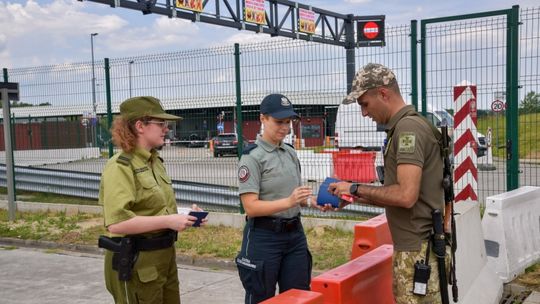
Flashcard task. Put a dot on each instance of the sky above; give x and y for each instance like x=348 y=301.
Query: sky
x=51 y=32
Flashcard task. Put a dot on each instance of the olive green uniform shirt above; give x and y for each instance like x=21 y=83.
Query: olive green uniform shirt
x=273 y=172
x=135 y=184
x=413 y=142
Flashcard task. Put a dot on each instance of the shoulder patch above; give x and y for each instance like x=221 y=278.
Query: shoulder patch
x=407 y=142
x=243 y=173
x=124 y=159
x=249 y=148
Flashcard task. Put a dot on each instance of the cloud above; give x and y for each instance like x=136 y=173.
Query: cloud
x=247 y=37
x=164 y=34
x=61 y=29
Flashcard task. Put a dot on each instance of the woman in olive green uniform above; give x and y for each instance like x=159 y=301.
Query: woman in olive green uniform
x=139 y=202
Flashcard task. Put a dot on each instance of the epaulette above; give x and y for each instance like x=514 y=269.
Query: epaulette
x=124 y=159
x=288 y=144
x=248 y=148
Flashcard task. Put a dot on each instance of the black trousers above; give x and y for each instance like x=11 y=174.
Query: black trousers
x=268 y=258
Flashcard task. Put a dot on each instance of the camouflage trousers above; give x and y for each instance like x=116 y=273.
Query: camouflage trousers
x=403 y=273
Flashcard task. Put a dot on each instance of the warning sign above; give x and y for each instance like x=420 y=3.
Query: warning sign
x=370 y=33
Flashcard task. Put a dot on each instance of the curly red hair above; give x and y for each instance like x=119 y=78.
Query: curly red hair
x=124 y=134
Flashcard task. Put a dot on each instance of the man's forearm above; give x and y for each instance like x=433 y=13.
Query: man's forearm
x=382 y=195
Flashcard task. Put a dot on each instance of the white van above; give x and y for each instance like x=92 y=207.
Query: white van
x=354 y=131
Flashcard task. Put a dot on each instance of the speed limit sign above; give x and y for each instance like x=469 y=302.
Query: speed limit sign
x=497 y=106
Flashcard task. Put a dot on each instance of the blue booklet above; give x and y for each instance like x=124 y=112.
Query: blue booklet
x=324 y=197
x=200 y=215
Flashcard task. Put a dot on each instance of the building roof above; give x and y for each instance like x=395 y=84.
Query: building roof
x=221 y=101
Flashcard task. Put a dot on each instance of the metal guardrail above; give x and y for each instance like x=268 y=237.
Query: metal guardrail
x=86 y=184
x=83 y=184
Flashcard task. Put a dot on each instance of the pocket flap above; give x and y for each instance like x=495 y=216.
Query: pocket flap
x=165 y=178
x=147 y=274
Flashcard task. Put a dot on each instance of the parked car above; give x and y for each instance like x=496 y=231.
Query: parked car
x=195 y=141
x=227 y=143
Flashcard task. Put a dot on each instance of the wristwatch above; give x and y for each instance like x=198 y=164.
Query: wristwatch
x=353 y=189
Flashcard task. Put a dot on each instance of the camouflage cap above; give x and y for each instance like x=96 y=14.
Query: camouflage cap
x=372 y=75
x=144 y=106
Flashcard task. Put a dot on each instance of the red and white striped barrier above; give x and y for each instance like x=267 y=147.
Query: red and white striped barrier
x=465 y=147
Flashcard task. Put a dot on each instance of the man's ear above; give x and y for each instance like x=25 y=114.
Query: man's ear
x=383 y=93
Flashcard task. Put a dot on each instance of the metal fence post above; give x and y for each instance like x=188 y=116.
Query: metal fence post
x=109 y=103
x=423 y=67
x=512 y=84
x=414 y=64
x=10 y=176
x=6 y=79
x=238 y=106
x=350 y=52
x=238 y=99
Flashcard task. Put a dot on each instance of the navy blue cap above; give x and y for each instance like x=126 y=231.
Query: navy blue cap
x=278 y=106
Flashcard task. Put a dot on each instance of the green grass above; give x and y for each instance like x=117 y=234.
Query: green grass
x=529 y=134
x=330 y=247
x=44 y=197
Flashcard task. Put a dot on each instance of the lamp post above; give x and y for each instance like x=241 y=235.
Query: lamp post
x=130 y=63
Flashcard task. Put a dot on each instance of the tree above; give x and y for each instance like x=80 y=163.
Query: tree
x=531 y=103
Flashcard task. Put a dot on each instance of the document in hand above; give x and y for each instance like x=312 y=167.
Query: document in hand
x=324 y=197
x=200 y=215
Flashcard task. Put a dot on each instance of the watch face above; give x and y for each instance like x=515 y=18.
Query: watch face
x=353 y=188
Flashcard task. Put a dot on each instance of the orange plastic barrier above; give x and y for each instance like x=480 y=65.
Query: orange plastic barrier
x=370 y=235
x=296 y=296
x=364 y=280
x=356 y=166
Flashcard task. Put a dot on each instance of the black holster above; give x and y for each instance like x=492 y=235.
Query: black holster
x=126 y=249
x=124 y=254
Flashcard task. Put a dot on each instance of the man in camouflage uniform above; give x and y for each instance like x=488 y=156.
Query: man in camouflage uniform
x=413 y=178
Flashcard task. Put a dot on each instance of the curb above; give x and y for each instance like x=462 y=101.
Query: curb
x=181 y=259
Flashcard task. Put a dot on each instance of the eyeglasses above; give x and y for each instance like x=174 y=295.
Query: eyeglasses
x=162 y=124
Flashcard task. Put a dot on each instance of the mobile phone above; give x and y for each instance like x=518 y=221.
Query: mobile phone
x=200 y=215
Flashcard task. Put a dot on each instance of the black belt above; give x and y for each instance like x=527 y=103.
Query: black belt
x=277 y=224
x=152 y=243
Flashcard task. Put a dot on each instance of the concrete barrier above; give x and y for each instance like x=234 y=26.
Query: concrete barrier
x=315 y=166
x=477 y=282
x=512 y=231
